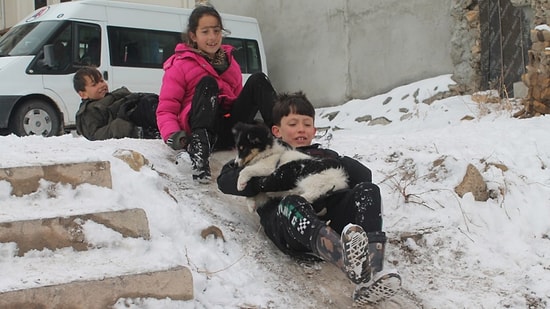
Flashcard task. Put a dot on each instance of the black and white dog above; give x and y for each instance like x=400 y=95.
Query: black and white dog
x=262 y=154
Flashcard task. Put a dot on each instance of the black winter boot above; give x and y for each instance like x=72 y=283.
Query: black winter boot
x=203 y=116
x=377 y=244
x=199 y=149
x=326 y=244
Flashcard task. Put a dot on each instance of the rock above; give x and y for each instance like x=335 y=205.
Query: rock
x=473 y=182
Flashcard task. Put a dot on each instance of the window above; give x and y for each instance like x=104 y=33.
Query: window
x=67 y=46
x=27 y=39
x=247 y=54
x=141 y=48
x=88 y=47
x=55 y=56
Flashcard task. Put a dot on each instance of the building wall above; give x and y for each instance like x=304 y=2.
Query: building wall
x=12 y=11
x=336 y=50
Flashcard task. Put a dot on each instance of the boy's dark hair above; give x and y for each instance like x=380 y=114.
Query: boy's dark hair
x=292 y=103
x=79 y=82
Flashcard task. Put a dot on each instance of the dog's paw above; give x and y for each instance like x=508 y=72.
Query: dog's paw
x=241 y=186
x=242 y=181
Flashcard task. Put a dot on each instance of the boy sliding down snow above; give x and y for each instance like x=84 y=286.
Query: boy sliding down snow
x=348 y=234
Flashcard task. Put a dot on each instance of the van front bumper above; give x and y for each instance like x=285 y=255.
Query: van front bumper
x=7 y=102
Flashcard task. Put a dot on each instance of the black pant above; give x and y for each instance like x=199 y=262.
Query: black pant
x=257 y=95
x=284 y=224
x=361 y=205
x=144 y=114
x=204 y=106
x=290 y=223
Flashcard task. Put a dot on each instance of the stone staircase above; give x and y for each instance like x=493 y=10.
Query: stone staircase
x=54 y=233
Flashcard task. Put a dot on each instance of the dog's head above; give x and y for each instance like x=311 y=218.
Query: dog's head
x=250 y=140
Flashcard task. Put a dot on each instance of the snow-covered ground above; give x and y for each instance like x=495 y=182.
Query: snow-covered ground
x=452 y=252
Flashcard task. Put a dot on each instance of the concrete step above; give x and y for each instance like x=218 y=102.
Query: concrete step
x=60 y=232
x=175 y=283
x=25 y=179
x=53 y=233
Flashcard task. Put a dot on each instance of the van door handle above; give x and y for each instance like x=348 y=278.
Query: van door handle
x=105 y=75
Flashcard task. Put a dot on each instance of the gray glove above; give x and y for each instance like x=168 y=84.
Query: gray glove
x=178 y=140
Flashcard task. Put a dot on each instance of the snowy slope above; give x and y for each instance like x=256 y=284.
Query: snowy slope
x=452 y=252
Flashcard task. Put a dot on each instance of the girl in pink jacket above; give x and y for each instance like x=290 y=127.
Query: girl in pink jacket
x=202 y=95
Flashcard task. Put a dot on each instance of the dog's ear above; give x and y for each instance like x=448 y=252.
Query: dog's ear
x=259 y=134
x=254 y=135
x=238 y=130
x=267 y=132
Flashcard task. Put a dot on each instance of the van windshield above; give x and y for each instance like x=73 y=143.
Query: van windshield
x=26 y=39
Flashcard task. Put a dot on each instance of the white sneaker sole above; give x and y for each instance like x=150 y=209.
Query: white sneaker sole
x=381 y=289
x=356 y=257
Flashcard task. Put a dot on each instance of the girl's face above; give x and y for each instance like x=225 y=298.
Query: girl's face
x=208 y=35
x=296 y=130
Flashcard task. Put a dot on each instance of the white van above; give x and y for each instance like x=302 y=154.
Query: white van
x=128 y=42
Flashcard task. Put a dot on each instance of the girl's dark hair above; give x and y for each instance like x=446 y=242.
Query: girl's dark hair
x=292 y=103
x=194 y=18
x=79 y=82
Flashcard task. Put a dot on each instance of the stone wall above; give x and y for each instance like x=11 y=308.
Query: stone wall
x=542 y=11
x=537 y=77
x=466 y=46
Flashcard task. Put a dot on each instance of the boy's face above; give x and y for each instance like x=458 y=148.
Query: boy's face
x=94 y=90
x=296 y=130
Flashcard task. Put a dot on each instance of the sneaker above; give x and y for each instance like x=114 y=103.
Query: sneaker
x=356 y=255
x=383 y=286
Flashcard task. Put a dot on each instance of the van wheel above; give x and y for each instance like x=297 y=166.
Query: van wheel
x=35 y=117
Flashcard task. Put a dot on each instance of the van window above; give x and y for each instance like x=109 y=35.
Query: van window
x=88 y=47
x=140 y=48
x=131 y=47
x=27 y=39
x=55 y=56
x=73 y=45
x=247 y=54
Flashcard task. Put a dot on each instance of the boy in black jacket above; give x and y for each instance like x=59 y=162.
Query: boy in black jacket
x=344 y=228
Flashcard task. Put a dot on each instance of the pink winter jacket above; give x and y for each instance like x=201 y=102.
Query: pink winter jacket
x=182 y=73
